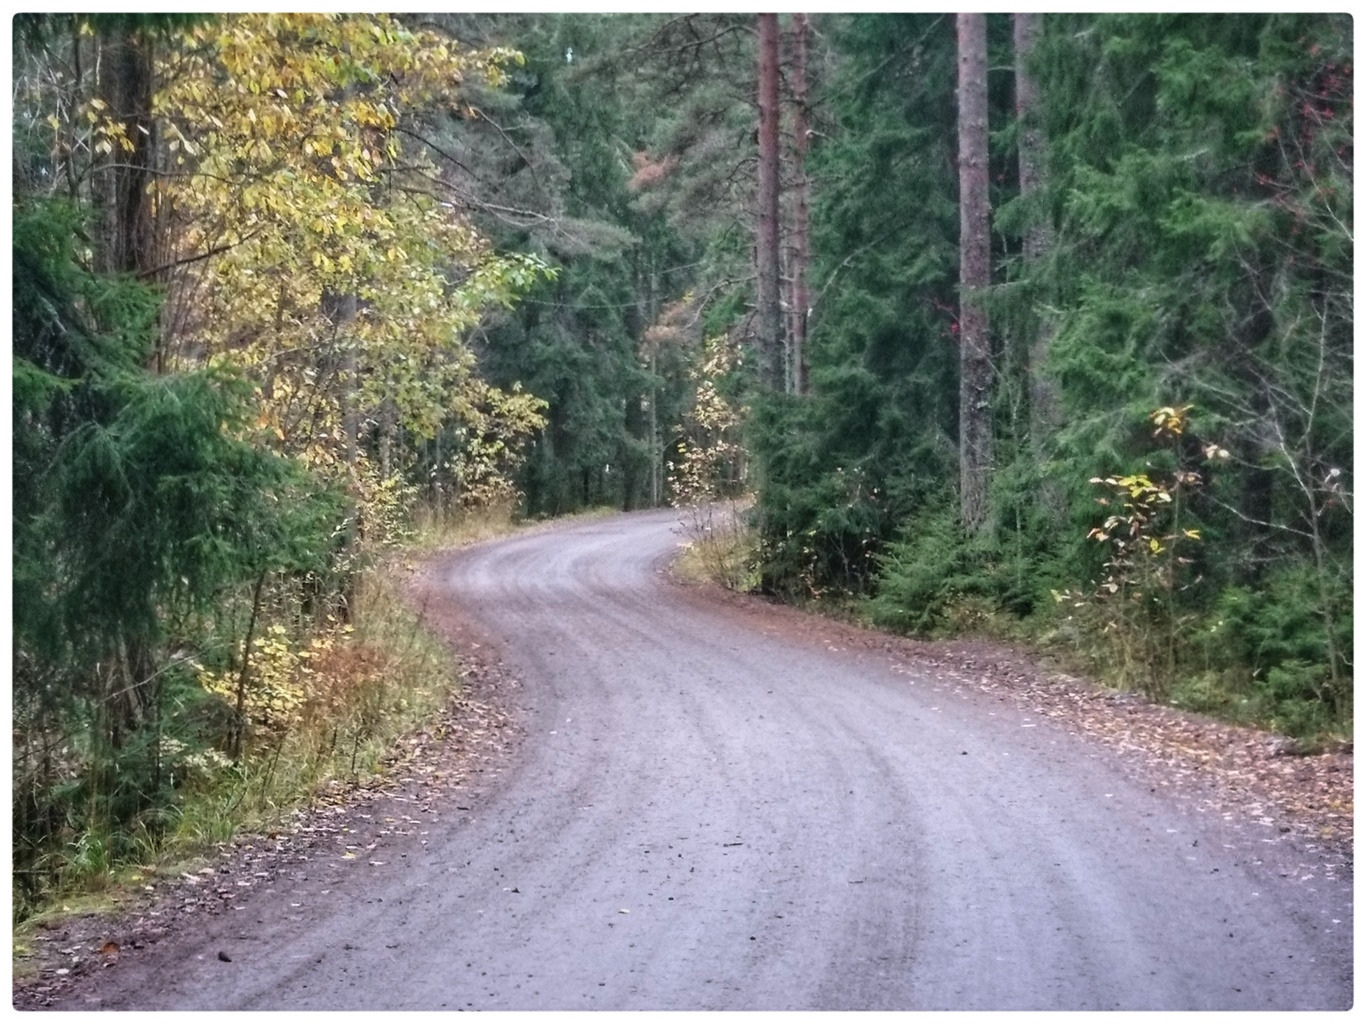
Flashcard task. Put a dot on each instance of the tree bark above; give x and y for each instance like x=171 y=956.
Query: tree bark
x=124 y=83
x=766 y=248
x=1044 y=408
x=976 y=371
x=801 y=227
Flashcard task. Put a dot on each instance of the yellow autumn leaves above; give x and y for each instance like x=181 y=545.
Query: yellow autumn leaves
x=293 y=187
x=291 y=679
x=708 y=460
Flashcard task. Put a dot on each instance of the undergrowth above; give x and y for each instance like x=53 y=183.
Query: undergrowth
x=721 y=546
x=1255 y=658
x=355 y=690
x=434 y=530
x=1261 y=657
x=324 y=699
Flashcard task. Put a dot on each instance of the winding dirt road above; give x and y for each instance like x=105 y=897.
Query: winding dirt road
x=711 y=813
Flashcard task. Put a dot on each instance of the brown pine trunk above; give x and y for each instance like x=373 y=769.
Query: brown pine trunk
x=767 y=253
x=124 y=82
x=1044 y=410
x=801 y=227
x=975 y=381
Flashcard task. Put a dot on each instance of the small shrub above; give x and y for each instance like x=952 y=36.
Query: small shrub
x=923 y=576
x=1283 y=639
x=722 y=546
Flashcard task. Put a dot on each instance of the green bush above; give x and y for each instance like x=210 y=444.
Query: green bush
x=1292 y=637
x=921 y=576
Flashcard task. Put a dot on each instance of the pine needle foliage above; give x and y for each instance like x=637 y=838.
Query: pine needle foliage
x=140 y=502
x=1196 y=188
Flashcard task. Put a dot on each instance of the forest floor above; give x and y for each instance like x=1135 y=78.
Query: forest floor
x=1237 y=773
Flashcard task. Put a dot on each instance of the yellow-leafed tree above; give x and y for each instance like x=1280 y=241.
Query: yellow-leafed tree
x=310 y=246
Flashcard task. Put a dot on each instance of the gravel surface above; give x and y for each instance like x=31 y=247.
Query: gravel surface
x=657 y=797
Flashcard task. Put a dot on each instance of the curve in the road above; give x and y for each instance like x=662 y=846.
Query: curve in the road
x=712 y=813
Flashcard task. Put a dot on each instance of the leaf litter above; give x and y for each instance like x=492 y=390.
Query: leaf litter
x=466 y=745
x=1240 y=774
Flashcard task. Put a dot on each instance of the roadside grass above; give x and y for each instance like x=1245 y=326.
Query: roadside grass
x=349 y=695
x=437 y=530
x=434 y=531
x=721 y=547
x=378 y=681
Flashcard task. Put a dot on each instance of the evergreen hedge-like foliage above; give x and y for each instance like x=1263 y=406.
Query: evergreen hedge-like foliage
x=1197 y=187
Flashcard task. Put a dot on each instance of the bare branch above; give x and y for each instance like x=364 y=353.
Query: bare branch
x=187 y=260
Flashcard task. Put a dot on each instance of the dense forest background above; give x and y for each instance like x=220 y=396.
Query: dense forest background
x=1032 y=326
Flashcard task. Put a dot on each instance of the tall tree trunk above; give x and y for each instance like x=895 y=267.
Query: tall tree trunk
x=1044 y=410
x=767 y=253
x=801 y=227
x=975 y=382
x=124 y=82
x=656 y=446
x=340 y=310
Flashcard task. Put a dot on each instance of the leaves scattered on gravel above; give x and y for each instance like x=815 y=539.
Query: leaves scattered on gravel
x=347 y=827
x=1237 y=773
x=1247 y=776
x=1233 y=769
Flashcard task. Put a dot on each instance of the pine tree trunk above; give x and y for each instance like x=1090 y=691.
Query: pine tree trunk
x=1044 y=410
x=124 y=82
x=975 y=382
x=767 y=253
x=801 y=227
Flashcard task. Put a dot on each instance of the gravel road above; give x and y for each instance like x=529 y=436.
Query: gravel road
x=711 y=810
